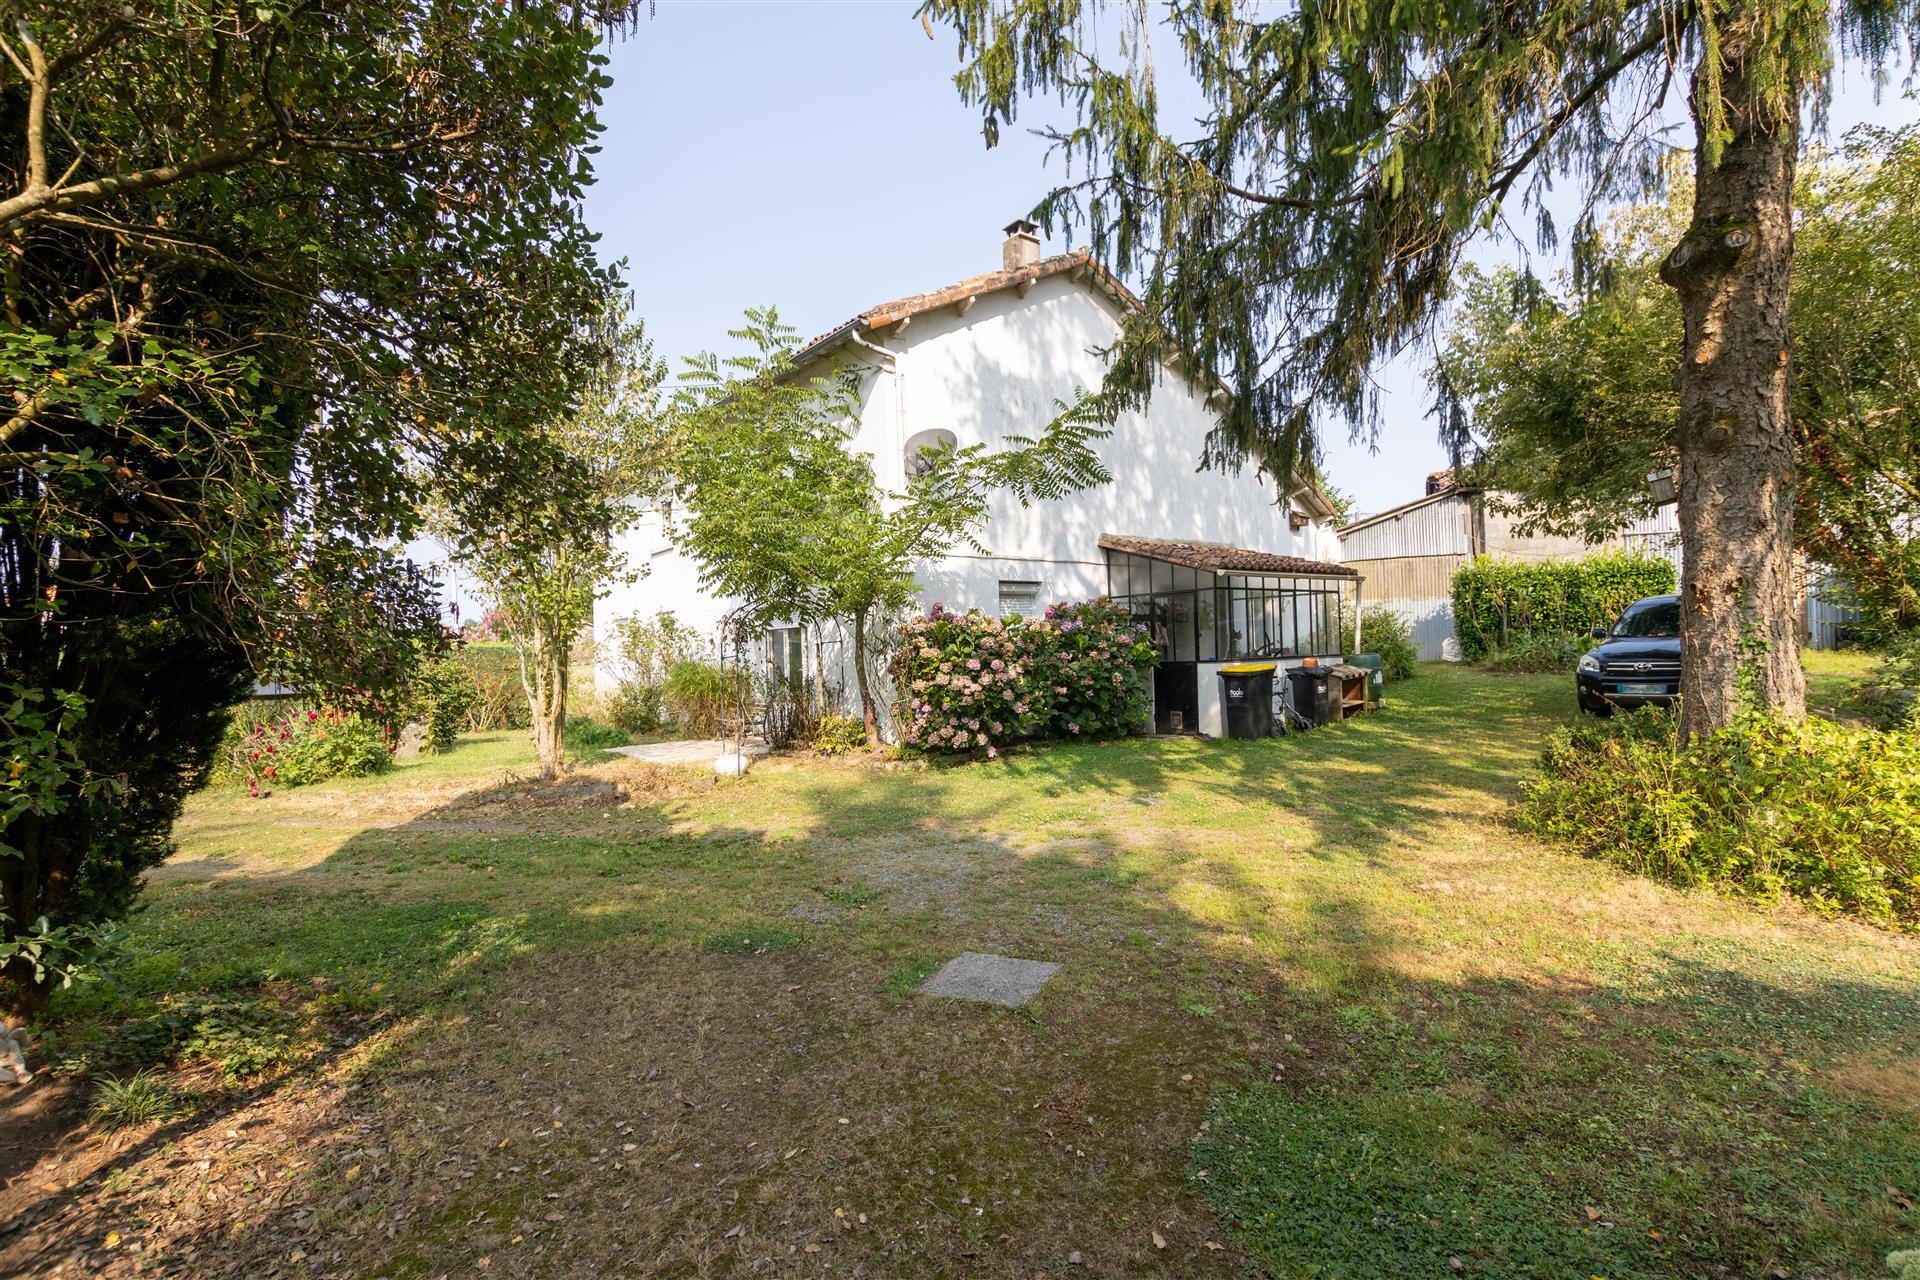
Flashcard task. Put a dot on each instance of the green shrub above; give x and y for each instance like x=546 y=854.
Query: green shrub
x=633 y=707
x=584 y=736
x=1496 y=602
x=140 y=1099
x=1385 y=632
x=836 y=734
x=1772 y=806
x=443 y=697
x=1536 y=653
x=235 y=758
x=643 y=651
x=696 y=694
x=1891 y=697
x=1092 y=669
x=314 y=745
x=502 y=702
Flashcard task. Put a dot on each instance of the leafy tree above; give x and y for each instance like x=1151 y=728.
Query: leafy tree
x=1571 y=399
x=1310 y=226
x=265 y=269
x=783 y=515
x=543 y=551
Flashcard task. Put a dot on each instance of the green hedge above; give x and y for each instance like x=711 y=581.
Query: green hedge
x=1497 y=601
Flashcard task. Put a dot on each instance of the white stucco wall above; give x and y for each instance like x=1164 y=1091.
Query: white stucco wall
x=998 y=372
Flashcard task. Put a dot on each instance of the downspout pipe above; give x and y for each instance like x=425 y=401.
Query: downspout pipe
x=899 y=389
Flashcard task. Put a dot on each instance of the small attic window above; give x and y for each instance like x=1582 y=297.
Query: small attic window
x=922 y=444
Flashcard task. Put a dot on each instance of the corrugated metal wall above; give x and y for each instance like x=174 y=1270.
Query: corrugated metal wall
x=1831 y=619
x=1435 y=528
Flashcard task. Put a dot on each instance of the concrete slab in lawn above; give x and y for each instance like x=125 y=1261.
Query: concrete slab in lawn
x=687 y=751
x=1001 y=980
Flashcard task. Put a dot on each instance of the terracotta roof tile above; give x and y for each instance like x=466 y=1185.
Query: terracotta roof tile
x=891 y=313
x=1218 y=558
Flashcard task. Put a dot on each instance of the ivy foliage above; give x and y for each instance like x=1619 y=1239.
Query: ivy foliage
x=1497 y=603
x=1810 y=809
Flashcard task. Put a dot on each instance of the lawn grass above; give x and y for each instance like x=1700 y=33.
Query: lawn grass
x=1322 y=1012
x=1833 y=676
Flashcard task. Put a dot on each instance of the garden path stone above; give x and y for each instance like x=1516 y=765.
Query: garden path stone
x=989 y=979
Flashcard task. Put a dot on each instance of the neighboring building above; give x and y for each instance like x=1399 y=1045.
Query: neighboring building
x=1220 y=564
x=1409 y=554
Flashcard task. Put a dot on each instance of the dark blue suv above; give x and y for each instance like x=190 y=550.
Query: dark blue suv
x=1637 y=663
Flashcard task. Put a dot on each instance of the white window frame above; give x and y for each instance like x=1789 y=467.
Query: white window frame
x=1027 y=589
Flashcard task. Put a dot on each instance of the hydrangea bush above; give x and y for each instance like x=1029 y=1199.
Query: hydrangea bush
x=970 y=682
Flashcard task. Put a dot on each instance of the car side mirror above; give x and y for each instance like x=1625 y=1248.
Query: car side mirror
x=1599 y=633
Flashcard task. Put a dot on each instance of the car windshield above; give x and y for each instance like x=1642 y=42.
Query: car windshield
x=1657 y=618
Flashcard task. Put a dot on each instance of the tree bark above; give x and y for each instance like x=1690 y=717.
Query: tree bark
x=1735 y=473
x=867 y=714
x=543 y=672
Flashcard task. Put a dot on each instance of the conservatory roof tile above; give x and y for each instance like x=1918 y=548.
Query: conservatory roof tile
x=1218 y=558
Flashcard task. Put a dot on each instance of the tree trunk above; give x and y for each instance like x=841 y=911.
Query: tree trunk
x=1735 y=474
x=27 y=883
x=867 y=714
x=543 y=672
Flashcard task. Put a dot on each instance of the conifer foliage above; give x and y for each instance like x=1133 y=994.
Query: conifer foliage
x=1309 y=227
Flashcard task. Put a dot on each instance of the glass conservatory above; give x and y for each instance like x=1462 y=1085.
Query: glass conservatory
x=1206 y=604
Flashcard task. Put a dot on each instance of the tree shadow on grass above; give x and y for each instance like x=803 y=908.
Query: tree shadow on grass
x=672 y=1041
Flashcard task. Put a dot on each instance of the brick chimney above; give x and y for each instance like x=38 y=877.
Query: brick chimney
x=1022 y=247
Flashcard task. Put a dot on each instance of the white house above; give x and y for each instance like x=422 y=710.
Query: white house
x=1221 y=564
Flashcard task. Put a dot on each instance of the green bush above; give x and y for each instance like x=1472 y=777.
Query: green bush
x=1385 y=632
x=1496 y=602
x=1891 y=697
x=496 y=674
x=837 y=734
x=314 y=745
x=1825 y=812
x=234 y=761
x=634 y=707
x=695 y=695
x=584 y=736
x=443 y=696
x=645 y=650
x=1535 y=653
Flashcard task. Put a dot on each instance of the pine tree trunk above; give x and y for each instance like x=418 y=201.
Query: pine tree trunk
x=1735 y=475
x=867 y=714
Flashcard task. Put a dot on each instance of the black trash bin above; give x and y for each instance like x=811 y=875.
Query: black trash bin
x=1311 y=691
x=1246 y=692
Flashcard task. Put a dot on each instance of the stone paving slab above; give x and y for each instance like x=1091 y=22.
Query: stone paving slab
x=989 y=979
